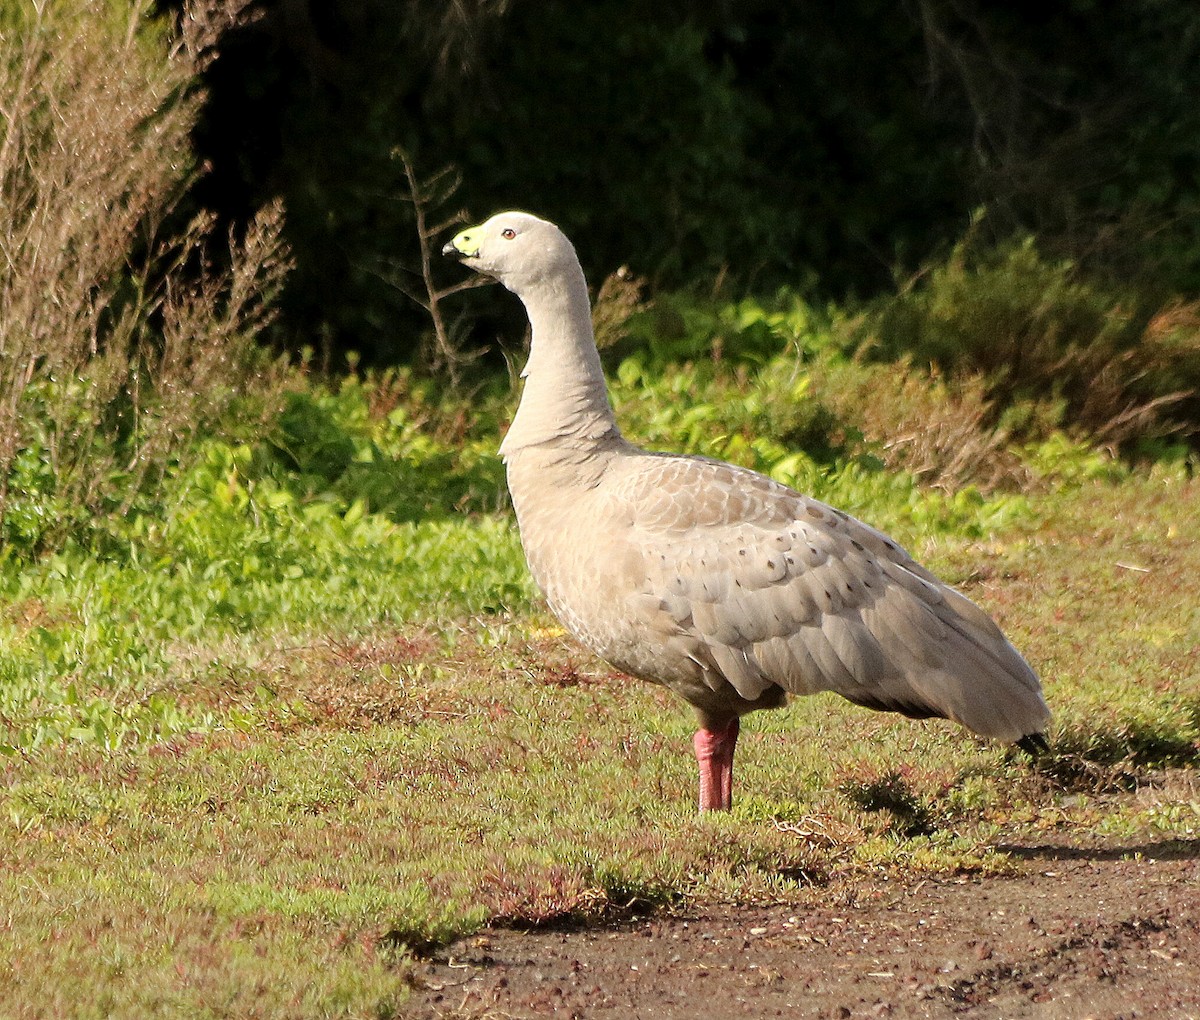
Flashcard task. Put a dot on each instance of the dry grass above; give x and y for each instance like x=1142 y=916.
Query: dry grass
x=941 y=431
x=620 y=298
x=1115 y=370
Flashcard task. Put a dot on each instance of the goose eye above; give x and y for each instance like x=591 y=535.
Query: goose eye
x=508 y=233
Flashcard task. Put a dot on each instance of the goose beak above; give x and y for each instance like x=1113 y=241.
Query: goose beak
x=465 y=245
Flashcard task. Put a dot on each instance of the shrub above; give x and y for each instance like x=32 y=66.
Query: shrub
x=120 y=335
x=679 y=327
x=944 y=432
x=1037 y=331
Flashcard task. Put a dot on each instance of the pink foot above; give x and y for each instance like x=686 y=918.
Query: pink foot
x=714 y=755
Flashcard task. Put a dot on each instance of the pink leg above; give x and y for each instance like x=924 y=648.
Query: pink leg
x=714 y=755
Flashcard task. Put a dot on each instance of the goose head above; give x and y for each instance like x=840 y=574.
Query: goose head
x=517 y=249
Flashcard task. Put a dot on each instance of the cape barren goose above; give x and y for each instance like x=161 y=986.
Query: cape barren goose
x=727 y=587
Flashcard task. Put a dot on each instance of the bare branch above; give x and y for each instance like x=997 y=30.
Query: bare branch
x=435 y=190
x=468 y=284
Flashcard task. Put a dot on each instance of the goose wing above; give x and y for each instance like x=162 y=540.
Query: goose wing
x=767 y=587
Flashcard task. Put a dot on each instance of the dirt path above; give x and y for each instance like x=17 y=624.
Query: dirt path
x=1102 y=933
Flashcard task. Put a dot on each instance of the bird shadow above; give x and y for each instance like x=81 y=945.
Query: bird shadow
x=1160 y=850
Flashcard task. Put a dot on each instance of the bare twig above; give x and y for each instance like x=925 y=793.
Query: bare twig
x=425 y=195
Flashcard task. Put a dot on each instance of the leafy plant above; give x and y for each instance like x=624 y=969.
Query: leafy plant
x=381 y=441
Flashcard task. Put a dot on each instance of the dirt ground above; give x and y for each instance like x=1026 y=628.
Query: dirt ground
x=1079 y=933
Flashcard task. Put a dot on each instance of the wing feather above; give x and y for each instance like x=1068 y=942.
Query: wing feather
x=782 y=591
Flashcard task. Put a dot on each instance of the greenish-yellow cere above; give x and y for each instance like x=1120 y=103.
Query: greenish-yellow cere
x=468 y=241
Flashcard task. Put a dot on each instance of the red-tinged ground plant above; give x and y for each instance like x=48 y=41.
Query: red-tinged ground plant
x=124 y=328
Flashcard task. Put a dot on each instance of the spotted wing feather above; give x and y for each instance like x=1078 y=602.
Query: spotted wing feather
x=768 y=588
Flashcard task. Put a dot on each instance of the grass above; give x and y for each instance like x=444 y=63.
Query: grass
x=300 y=715
x=427 y=753
x=280 y=710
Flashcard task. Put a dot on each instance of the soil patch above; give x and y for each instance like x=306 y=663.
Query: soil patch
x=1078 y=933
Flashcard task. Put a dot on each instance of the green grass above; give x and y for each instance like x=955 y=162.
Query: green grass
x=106 y=647
x=289 y=783
x=302 y=714
x=280 y=707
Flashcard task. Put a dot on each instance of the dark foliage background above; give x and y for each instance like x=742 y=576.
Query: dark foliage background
x=826 y=147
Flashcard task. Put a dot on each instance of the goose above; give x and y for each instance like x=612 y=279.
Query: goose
x=718 y=582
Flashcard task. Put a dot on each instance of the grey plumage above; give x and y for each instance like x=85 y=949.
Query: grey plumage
x=727 y=587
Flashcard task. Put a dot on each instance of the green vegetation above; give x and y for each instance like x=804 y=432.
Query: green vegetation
x=304 y=715
x=279 y=704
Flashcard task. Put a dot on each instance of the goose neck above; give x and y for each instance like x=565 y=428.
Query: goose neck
x=565 y=399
